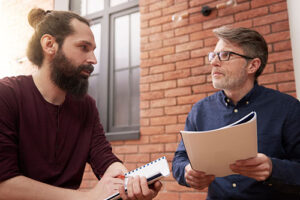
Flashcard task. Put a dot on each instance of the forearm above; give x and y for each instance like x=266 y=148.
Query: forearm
x=21 y=187
x=116 y=166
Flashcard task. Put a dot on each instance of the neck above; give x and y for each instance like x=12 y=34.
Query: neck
x=236 y=94
x=46 y=87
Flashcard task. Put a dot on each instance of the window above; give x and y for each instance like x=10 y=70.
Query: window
x=114 y=83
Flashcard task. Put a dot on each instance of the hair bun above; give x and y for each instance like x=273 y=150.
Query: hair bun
x=35 y=16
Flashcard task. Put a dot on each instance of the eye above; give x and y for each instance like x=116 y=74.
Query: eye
x=84 y=47
x=224 y=55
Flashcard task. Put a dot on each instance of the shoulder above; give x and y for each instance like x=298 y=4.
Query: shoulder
x=278 y=96
x=208 y=101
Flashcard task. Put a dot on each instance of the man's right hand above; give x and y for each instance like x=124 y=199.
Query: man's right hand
x=197 y=179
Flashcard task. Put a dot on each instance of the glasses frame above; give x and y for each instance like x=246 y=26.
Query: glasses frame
x=229 y=54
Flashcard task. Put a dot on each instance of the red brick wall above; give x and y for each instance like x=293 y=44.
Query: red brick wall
x=175 y=73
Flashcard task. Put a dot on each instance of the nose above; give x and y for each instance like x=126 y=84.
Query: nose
x=215 y=61
x=92 y=58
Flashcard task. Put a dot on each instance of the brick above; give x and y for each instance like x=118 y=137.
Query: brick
x=234 y=9
x=125 y=149
x=201 y=52
x=161 y=36
x=271 y=18
x=201 y=35
x=142 y=140
x=190 y=99
x=287 y=87
x=151 y=30
x=246 y=24
x=163 y=139
x=189 y=63
x=151 y=15
x=269 y=68
x=160 y=20
x=203 y=88
x=151 y=46
x=153 y=112
x=144 y=104
x=151 y=78
x=182 y=118
x=169 y=157
x=163 y=85
x=151 y=148
x=171 y=147
x=137 y=157
x=176 y=57
x=180 y=109
x=263 y=30
x=280 y=26
x=152 y=130
x=260 y=3
x=284 y=66
x=194 y=3
x=197 y=17
x=275 y=37
x=152 y=95
x=162 y=52
x=193 y=80
x=174 y=186
x=280 y=56
x=162 y=68
x=188 y=29
x=144 y=122
x=144 y=9
x=160 y=4
x=218 y=22
x=164 y=120
x=175 y=24
x=147 y=2
x=189 y=46
x=276 y=78
x=251 y=13
x=210 y=42
x=176 y=40
x=278 y=7
x=163 y=102
x=177 y=74
x=284 y=45
x=178 y=92
x=174 y=128
x=144 y=87
x=144 y=39
x=150 y=62
x=193 y=195
x=144 y=24
x=144 y=55
x=177 y=7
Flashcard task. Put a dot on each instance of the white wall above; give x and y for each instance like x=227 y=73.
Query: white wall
x=294 y=15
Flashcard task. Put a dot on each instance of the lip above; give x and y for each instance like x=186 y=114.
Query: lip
x=85 y=73
x=217 y=74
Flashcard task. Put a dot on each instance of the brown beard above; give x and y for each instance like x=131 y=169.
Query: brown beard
x=67 y=76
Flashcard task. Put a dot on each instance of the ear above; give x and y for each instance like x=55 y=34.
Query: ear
x=254 y=65
x=49 y=45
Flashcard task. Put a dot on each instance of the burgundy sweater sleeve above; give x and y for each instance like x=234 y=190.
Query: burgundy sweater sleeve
x=8 y=133
x=101 y=156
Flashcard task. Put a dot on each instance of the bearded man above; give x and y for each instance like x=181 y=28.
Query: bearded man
x=50 y=127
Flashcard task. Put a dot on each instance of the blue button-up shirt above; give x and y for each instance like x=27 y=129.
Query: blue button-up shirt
x=278 y=135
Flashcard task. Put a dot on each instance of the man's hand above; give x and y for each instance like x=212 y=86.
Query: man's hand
x=258 y=168
x=108 y=185
x=138 y=189
x=197 y=179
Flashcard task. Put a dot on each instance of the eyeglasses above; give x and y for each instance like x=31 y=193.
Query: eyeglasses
x=224 y=55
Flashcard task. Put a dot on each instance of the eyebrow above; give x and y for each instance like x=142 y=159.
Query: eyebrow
x=87 y=43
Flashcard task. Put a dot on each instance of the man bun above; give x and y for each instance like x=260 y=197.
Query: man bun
x=35 y=16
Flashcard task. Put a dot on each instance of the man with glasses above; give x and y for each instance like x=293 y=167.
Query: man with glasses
x=238 y=59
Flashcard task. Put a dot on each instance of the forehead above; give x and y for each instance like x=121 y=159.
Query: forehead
x=82 y=33
x=224 y=45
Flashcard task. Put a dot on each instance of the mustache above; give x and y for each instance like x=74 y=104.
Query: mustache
x=89 y=68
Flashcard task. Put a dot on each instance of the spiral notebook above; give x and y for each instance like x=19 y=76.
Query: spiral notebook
x=153 y=171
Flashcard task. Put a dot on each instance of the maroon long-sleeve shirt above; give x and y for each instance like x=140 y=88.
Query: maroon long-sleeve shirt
x=46 y=142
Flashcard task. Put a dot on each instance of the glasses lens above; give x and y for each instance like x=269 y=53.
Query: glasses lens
x=211 y=56
x=224 y=55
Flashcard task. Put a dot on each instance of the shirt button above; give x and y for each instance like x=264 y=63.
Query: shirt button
x=233 y=185
x=247 y=102
x=228 y=100
x=226 y=104
x=235 y=110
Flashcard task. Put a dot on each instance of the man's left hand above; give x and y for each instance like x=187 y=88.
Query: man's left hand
x=258 y=168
